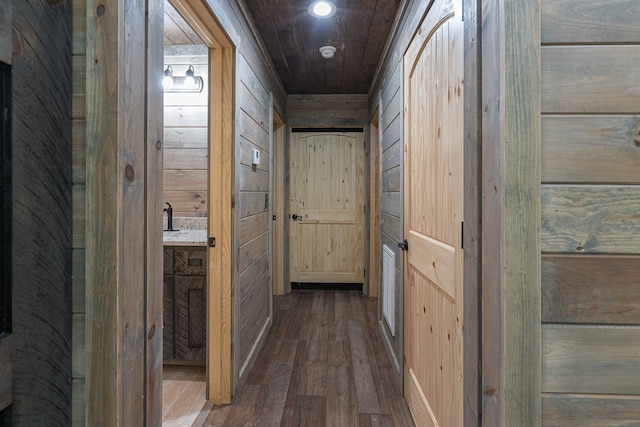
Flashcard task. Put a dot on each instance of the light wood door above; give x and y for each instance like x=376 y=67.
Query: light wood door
x=433 y=208
x=326 y=207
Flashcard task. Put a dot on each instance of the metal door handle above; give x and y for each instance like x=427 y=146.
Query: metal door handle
x=404 y=245
x=296 y=216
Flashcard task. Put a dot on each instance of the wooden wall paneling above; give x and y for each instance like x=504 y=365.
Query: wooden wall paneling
x=327 y=110
x=391 y=203
x=117 y=245
x=566 y=410
x=253 y=108
x=186 y=159
x=6 y=32
x=392 y=227
x=78 y=151
x=250 y=180
x=252 y=251
x=590 y=79
x=251 y=203
x=579 y=22
x=278 y=157
x=254 y=326
x=471 y=236
x=41 y=229
x=571 y=354
x=189 y=116
x=6 y=371
x=246 y=156
x=253 y=131
x=392 y=157
x=251 y=275
x=78 y=359
x=79 y=87
x=590 y=219
x=187 y=202
x=595 y=289
x=249 y=304
x=185 y=137
x=608 y=144
x=253 y=226
x=79 y=180
x=373 y=169
x=510 y=212
x=79 y=28
x=185 y=180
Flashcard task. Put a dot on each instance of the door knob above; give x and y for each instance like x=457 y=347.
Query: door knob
x=296 y=216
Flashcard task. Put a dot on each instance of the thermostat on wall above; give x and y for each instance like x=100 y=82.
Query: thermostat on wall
x=255 y=156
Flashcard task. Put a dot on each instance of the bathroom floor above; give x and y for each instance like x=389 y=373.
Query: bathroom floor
x=183 y=395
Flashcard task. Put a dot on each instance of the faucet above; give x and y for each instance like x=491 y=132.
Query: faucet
x=169 y=211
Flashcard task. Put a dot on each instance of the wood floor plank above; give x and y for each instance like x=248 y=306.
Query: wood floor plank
x=323 y=364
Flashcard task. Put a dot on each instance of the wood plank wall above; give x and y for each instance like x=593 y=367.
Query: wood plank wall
x=590 y=204
x=79 y=192
x=253 y=303
x=185 y=136
x=258 y=91
x=41 y=228
x=327 y=110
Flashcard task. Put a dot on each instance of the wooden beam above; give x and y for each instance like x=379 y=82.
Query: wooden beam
x=511 y=212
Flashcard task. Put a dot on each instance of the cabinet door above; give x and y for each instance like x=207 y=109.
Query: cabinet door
x=192 y=262
x=190 y=318
x=167 y=313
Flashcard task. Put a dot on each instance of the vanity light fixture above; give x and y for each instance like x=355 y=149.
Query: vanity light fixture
x=322 y=9
x=189 y=83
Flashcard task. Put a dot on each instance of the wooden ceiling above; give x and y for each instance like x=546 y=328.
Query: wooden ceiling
x=358 y=31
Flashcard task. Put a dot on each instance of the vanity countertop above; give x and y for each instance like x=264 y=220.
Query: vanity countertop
x=185 y=238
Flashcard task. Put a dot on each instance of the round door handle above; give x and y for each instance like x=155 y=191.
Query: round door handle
x=296 y=216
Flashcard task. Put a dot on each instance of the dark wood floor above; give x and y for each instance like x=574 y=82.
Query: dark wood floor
x=323 y=364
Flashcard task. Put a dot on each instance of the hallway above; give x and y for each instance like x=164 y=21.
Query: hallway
x=324 y=363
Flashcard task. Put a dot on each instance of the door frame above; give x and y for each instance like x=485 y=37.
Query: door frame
x=220 y=190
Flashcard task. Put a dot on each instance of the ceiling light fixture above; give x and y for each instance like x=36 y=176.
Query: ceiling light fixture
x=322 y=9
x=187 y=83
x=327 y=51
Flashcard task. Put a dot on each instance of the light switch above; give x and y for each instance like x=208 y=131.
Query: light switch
x=255 y=156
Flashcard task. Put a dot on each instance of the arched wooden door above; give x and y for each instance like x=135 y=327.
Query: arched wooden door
x=433 y=209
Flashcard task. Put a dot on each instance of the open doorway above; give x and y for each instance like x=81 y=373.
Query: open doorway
x=197 y=221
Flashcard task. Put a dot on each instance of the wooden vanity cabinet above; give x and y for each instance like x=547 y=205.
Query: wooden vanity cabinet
x=184 y=300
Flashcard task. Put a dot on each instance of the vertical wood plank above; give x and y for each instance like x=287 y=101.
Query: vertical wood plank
x=472 y=214
x=154 y=261
x=510 y=188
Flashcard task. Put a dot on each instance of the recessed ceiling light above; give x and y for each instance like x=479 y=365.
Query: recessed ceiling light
x=322 y=9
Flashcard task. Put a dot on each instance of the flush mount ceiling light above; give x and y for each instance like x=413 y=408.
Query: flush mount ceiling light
x=327 y=51
x=322 y=9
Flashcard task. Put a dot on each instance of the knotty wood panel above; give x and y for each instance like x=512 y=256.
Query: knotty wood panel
x=186 y=159
x=590 y=359
x=562 y=410
x=602 y=149
x=580 y=22
x=182 y=116
x=590 y=79
x=590 y=219
x=185 y=137
x=591 y=289
x=42 y=209
x=185 y=180
x=187 y=203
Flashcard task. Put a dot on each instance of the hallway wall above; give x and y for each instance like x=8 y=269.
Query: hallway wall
x=590 y=201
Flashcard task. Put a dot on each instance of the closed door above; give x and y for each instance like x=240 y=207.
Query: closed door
x=327 y=207
x=433 y=209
